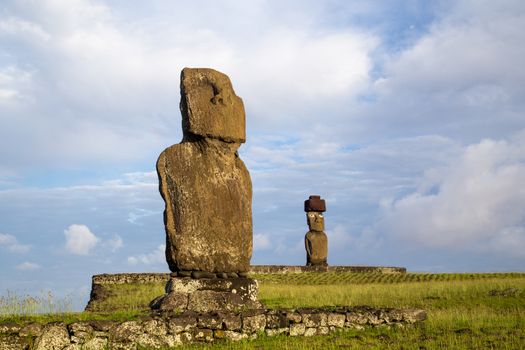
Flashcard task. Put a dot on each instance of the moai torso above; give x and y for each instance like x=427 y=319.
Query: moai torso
x=315 y=240
x=204 y=183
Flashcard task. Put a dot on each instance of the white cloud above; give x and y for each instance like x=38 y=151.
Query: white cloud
x=463 y=78
x=153 y=258
x=477 y=202
x=14 y=84
x=261 y=241
x=28 y=266
x=6 y=239
x=136 y=109
x=114 y=243
x=12 y=244
x=79 y=239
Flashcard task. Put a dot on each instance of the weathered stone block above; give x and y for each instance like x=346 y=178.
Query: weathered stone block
x=80 y=332
x=323 y=330
x=356 y=318
x=232 y=322
x=155 y=327
x=182 y=323
x=294 y=317
x=173 y=301
x=211 y=321
x=31 y=330
x=253 y=323
x=126 y=331
x=203 y=334
x=276 y=331
x=12 y=342
x=310 y=332
x=9 y=328
x=95 y=344
x=235 y=336
x=336 y=320
x=150 y=341
x=276 y=320
x=297 y=329
x=54 y=337
x=102 y=325
x=414 y=315
x=206 y=295
x=317 y=319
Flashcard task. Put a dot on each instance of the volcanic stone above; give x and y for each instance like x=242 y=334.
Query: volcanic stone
x=205 y=185
x=315 y=240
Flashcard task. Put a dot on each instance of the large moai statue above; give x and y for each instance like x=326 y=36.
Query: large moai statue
x=207 y=191
x=315 y=240
x=206 y=186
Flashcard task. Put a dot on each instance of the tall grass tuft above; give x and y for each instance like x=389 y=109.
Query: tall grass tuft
x=45 y=303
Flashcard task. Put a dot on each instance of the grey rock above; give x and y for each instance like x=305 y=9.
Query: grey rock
x=336 y=320
x=414 y=315
x=182 y=323
x=203 y=274
x=297 y=329
x=12 y=342
x=253 y=323
x=294 y=317
x=232 y=321
x=9 y=328
x=80 y=332
x=31 y=330
x=126 y=331
x=54 y=337
x=235 y=336
x=95 y=344
x=308 y=332
x=203 y=334
x=317 y=319
x=155 y=327
x=211 y=321
x=277 y=331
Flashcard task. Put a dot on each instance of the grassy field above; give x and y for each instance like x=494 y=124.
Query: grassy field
x=465 y=311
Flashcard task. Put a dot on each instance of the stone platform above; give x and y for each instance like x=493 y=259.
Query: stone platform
x=341 y=268
x=208 y=294
x=101 y=288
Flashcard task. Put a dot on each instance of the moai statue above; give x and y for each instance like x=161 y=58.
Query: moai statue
x=208 y=195
x=315 y=240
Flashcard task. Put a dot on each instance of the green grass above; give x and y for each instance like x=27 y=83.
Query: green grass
x=131 y=297
x=465 y=311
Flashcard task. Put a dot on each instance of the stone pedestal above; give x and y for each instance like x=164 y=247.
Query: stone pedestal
x=208 y=294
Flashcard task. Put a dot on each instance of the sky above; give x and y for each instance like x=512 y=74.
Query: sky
x=407 y=117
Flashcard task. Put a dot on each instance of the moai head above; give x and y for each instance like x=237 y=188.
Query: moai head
x=315 y=221
x=314 y=208
x=210 y=107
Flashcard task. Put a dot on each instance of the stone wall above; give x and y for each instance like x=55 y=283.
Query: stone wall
x=171 y=330
x=341 y=268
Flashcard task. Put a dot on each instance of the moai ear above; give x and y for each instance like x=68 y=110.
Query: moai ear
x=210 y=107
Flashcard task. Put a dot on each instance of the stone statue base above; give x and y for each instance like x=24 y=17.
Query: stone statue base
x=208 y=294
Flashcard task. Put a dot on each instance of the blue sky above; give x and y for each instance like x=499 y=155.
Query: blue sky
x=408 y=117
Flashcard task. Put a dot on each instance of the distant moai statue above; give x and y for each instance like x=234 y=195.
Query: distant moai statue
x=208 y=195
x=315 y=240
